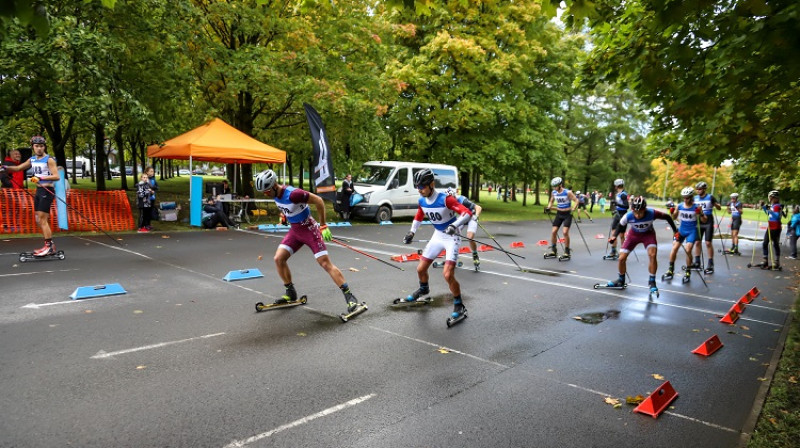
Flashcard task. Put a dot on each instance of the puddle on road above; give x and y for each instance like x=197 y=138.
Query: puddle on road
x=540 y=272
x=596 y=318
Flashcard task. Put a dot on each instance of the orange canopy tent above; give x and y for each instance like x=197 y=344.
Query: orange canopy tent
x=217 y=141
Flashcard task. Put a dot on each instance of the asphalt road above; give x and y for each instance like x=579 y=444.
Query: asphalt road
x=183 y=359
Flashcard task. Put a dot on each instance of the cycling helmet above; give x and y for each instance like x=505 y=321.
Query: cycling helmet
x=556 y=181
x=265 y=180
x=619 y=183
x=423 y=178
x=773 y=194
x=38 y=140
x=578 y=192
x=734 y=195
x=701 y=186
x=688 y=191
x=638 y=203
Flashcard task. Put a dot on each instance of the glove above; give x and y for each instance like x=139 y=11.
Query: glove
x=677 y=236
x=698 y=210
x=547 y=210
x=326 y=233
x=451 y=230
x=611 y=239
x=35 y=179
x=408 y=238
x=671 y=210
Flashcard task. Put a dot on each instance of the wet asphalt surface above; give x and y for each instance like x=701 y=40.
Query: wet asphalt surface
x=183 y=359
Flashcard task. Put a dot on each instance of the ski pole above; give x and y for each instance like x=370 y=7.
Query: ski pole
x=558 y=238
x=81 y=215
x=702 y=274
x=493 y=247
x=719 y=229
x=581 y=234
x=700 y=240
x=610 y=230
x=366 y=254
x=495 y=241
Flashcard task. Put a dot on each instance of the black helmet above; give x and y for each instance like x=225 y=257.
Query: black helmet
x=638 y=203
x=423 y=178
x=38 y=140
x=701 y=186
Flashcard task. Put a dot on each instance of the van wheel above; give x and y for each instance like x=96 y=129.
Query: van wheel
x=384 y=214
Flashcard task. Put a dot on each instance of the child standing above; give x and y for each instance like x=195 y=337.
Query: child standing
x=143 y=193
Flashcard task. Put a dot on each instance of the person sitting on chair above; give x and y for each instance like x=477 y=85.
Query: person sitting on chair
x=214 y=215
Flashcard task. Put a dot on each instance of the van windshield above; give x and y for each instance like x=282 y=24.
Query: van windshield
x=375 y=175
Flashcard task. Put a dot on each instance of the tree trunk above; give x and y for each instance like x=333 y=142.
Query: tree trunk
x=123 y=181
x=524 y=194
x=74 y=141
x=300 y=181
x=288 y=180
x=100 y=156
x=476 y=186
x=464 y=180
x=536 y=192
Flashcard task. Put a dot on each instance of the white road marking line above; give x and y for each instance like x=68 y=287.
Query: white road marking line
x=477 y=358
x=103 y=355
x=38 y=272
x=263 y=435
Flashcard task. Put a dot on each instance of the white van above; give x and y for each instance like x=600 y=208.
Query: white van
x=388 y=188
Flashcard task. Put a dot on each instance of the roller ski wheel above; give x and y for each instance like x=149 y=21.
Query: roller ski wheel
x=691 y=268
x=260 y=306
x=728 y=252
x=611 y=257
x=440 y=264
x=29 y=256
x=456 y=317
x=609 y=286
x=401 y=303
x=353 y=311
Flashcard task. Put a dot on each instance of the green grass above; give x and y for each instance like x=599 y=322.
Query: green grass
x=779 y=423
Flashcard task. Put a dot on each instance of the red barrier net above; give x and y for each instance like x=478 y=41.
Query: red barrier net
x=110 y=210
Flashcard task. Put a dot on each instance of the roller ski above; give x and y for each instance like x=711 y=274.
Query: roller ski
x=653 y=291
x=709 y=269
x=284 y=302
x=552 y=254
x=693 y=267
x=614 y=284
x=687 y=276
x=418 y=297
x=47 y=252
x=476 y=262
x=567 y=255
x=353 y=309
x=440 y=264
x=613 y=255
x=459 y=314
x=732 y=251
x=669 y=275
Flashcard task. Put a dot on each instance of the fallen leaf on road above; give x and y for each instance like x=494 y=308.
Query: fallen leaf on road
x=141 y=367
x=444 y=350
x=353 y=270
x=613 y=401
x=747 y=336
x=762 y=378
x=634 y=400
x=744 y=327
x=301 y=334
x=753 y=359
x=657 y=376
x=260 y=257
x=165 y=236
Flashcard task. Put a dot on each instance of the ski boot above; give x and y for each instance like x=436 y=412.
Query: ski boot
x=687 y=276
x=567 y=255
x=669 y=275
x=459 y=313
x=613 y=284
x=476 y=261
x=353 y=307
x=418 y=297
x=288 y=300
x=653 y=290
x=709 y=269
x=552 y=254
x=614 y=255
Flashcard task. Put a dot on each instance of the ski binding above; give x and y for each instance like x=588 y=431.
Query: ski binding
x=454 y=320
x=274 y=306
x=359 y=309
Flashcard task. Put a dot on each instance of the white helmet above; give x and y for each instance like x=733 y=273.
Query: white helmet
x=579 y=192
x=265 y=180
x=734 y=195
x=556 y=181
x=450 y=191
x=619 y=182
x=688 y=191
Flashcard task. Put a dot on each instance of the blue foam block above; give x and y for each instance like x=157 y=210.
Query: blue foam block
x=86 y=292
x=273 y=228
x=386 y=223
x=242 y=274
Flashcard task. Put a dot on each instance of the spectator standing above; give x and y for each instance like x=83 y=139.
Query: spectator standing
x=151 y=175
x=602 y=203
x=143 y=193
x=593 y=199
x=12 y=179
x=347 y=192
x=794 y=232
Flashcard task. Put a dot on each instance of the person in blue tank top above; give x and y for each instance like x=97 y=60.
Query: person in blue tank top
x=293 y=203
x=687 y=214
x=45 y=173
x=447 y=215
x=735 y=207
x=564 y=199
x=794 y=232
x=708 y=202
x=619 y=207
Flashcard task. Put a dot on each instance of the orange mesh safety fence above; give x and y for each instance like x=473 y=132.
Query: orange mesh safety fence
x=109 y=210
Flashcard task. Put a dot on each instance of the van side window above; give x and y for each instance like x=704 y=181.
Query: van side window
x=444 y=178
x=402 y=177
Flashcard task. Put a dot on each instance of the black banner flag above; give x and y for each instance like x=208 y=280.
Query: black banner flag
x=323 y=163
